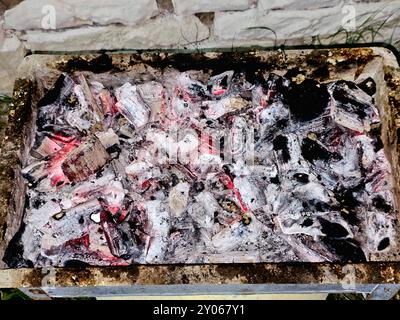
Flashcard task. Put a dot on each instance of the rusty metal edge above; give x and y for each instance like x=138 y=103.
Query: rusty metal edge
x=395 y=51
x=236 y=274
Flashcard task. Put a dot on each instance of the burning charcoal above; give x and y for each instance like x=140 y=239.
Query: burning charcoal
x=312 y=150
x=251 y=194
x=120 y=241
x=61 y=89
x=347 y=250
x=380 y=203
x=47 y=116
x=107 y=102
x=159 y=220
x=136 y=168
x=292 y=220
x=259 y=98
x=48 y=147
x=108 y=139
x=35 y=172
x=186 y=245
x=295 y=160
x=84 y=208
x=85 y=160
x=188 y=143
x=307 y=100
x=313 y=191
x=332 y=230
x=304 y=251
x=113 y=195
x=119 y=171
x=71 y=226
x=205 y=163
x=237 y=137
x=92 y=188
x=375 y=177
x=231 y=213
x=301 y=177
x=208 y=202
x=280 y=143
x=110 y=193
x=99 y=116
x=241 y=86
x=60 y=133
x=179 y=107
x=231 y=237
x=378 y=226
x=348 y=168
x=151 y=93
x=264 y=97
x=80 y=116
x=178 y=198
x=198 y=186
x=184 y=167
x=352 y=107
x=366 y=151
x=274 y=85
x=219 y=84
x=218 y=108
x=202 y=218
x=132 y=106
x=273 y=118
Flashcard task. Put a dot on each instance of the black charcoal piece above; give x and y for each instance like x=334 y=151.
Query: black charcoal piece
x=307 y=100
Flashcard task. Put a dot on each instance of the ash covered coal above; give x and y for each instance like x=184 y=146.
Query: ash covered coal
x=198 y=168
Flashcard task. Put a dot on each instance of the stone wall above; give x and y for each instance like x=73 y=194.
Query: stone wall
x=76 y=25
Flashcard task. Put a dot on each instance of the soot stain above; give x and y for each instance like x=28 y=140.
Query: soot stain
x=312 y=150
x=99 y=64
x=307 y=100
x=280 y=143
x=13 y=256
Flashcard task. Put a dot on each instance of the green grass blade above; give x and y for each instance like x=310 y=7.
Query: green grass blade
x=5 y=99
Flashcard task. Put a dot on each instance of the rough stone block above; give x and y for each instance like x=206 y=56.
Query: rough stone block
x=12 y=52
x=30 y=14
x=163 y=32
x=194 y=6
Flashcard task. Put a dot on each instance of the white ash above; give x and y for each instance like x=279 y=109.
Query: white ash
x=200 y=168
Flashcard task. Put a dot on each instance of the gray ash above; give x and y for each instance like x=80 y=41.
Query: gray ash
x=193 y=167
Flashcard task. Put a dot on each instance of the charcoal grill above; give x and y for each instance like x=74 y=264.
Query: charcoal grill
x=39 y=71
